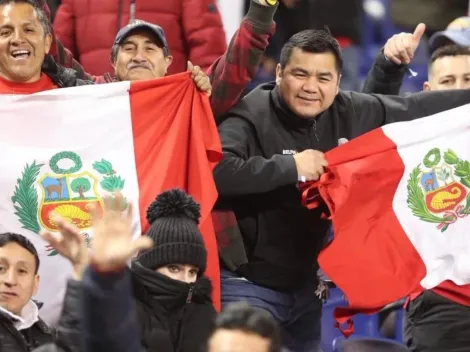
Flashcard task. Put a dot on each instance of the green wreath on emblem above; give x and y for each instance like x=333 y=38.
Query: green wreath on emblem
x=25 y=199
x=432 y=158
x=65 y=155
x=111 y=182
x=416 y=199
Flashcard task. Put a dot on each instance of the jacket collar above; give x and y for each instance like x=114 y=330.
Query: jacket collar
x=61 y=76
x=150 y=285
x=28 y=317
x=289 y=118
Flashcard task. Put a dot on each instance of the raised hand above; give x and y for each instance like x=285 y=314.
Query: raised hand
x=200 y=79
x=70 y=243
x=401 y=47
x=112 y=245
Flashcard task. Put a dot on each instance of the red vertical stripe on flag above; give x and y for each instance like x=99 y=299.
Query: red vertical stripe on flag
x=370 y=258
x=176 y=145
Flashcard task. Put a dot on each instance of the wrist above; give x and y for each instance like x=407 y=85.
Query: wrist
x=78 y=270
x=106 y=267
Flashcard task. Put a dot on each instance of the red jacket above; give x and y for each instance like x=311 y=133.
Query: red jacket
x=193 y=29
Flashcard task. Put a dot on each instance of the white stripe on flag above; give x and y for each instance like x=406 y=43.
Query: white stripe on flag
x=94 y=122
x=445 y=254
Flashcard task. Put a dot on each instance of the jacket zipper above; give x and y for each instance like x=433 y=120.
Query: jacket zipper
x=190 y=295
x=313 y=128
x=189 y=299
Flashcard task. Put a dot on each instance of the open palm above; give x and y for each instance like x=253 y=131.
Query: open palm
x=112 y=244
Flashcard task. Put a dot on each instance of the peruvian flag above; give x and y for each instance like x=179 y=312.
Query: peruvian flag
x=399 y=200
x=65 y=149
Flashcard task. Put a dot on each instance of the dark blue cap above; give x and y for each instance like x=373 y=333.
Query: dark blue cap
x=139 y=24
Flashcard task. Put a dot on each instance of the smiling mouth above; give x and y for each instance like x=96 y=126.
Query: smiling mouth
x=136 y=67
x=20 y=54
x=311 y=100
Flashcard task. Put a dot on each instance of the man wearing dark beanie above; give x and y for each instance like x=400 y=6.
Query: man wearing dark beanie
x=171 y=293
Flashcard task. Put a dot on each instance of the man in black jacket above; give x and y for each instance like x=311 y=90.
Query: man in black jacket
x=21 y=329
x=274 y=138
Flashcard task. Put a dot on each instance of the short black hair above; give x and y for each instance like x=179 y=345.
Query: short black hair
x=42 y=16
x=313 y=41
x=9 y=237
x=243 y=317
x=448 y=50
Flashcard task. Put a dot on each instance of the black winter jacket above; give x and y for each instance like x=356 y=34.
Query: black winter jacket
x=385 y=77
x=68 y=335
x=257 y=176
x=174 y=316
x=13 y=340
x=63 y=77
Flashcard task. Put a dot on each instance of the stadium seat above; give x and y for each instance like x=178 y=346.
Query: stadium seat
x=364 y=344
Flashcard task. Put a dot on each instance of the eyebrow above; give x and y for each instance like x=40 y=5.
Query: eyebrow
x=130 y=41
x=325 y=74
x=299 y=70
x=321 y=74
x=21 y=262
x=447 y=76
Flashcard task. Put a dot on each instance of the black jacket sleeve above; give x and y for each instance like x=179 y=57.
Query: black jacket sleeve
x=238 y=173
x=385 y=77
x=374 y=111
x=68 y=334
x=109 y=318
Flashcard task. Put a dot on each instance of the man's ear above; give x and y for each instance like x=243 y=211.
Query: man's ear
x=278 y=74
x=168 y=61
x=47 y=43
x=339 y=82
x=426 y=86
x=36 y=284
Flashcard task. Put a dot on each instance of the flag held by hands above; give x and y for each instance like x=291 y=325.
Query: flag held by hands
x=63 y=150
x=399 y=200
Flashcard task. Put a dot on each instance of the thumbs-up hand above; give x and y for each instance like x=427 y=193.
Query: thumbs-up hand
x=401 y=48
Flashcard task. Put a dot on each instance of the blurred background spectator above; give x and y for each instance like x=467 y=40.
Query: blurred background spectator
x=193 y=27
x=341 y=17
x=232 y=13
x=53 y=5
x=435 y=14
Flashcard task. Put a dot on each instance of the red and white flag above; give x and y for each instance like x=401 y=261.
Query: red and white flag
x=399 y=199
x=65 y=149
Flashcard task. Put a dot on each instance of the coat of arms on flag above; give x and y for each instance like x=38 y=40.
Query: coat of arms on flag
x=69 y=192
x=439 y=193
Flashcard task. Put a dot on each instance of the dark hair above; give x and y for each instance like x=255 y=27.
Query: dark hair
x=315 y=41
x=241 y=316
x=448 y=50
x=42 y=16
x=9 y=237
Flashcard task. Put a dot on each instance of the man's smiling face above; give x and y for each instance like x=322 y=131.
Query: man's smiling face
x=23 y=43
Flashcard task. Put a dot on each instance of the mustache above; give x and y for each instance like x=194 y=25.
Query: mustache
x=134 y=64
